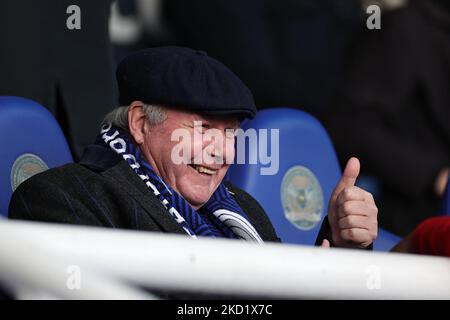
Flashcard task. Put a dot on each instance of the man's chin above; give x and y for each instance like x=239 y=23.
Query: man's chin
x=196 y=196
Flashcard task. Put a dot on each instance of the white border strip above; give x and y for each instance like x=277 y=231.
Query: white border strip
x=210 y=265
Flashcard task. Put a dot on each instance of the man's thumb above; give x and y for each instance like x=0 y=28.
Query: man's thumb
x=349 y=175
x=325 y=243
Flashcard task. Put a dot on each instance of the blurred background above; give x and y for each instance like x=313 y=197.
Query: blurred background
x=382 y=94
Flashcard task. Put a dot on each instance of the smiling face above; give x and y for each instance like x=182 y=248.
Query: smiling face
x=207 y=148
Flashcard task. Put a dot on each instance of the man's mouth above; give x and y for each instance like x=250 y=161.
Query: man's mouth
x=204 y=170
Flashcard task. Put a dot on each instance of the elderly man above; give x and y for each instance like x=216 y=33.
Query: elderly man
x=129 y=178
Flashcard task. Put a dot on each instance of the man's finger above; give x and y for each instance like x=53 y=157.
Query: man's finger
x=358 y=208
x=351 y=194
x=348 y=177
x=356 y=236
x=354 y=221
x=325 y=243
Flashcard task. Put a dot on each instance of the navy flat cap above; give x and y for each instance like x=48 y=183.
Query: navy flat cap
x=183 y=78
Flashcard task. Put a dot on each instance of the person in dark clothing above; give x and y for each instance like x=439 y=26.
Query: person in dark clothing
x=430 y=237
x=133 y=177
x=69 y=71
x=290 y=53
x=394 y=111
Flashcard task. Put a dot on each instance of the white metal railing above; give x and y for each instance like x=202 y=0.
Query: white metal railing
x=36 y=256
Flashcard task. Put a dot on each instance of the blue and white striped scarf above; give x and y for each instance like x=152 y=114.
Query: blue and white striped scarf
x=221 y=216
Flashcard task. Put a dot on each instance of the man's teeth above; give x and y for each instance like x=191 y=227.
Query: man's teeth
x=204 y=170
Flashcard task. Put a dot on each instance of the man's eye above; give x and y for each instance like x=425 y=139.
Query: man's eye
x=201 y=128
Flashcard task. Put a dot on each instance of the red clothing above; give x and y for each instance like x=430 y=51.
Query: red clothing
x=432 y=237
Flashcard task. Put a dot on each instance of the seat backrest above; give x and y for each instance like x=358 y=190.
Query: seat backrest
x=385 y=240
x=296 y=197
x=31 y=141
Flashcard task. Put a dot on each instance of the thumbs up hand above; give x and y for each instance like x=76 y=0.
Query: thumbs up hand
x=352 y=212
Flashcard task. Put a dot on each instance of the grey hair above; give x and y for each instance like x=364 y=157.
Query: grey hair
x=119 y=116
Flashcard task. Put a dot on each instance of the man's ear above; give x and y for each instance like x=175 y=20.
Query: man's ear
x=136 y=121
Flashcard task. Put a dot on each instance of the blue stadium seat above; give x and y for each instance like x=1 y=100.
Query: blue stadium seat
x=385 y=240
x=296 y=198
x=31 y=141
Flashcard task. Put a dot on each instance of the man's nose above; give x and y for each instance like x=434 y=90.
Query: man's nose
x=216 y=150
x=216 y=147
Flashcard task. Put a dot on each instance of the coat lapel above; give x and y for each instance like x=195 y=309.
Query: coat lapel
x=101 y=159
x=125 y=177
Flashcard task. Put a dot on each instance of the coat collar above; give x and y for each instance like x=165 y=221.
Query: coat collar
x=99 y=157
